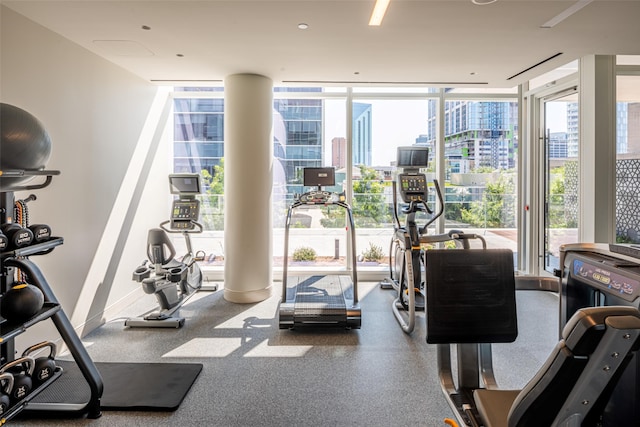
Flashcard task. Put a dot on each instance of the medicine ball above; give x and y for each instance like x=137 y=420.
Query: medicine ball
x=21 y=302
x=24 y=144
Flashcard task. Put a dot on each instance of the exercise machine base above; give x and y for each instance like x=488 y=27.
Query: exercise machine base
x=320 y=301
x=140 y=322
x=165 y=320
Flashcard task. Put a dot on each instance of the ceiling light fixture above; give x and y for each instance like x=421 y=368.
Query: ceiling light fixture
x=483 y=2
x=379 y=10
x=567 y=13
x=303 y=26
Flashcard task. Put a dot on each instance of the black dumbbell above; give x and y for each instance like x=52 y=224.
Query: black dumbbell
x=4 y=242
x=21 y=369
x=17 y=235
x=44 y=367
x=41 y=232
x=6 y=385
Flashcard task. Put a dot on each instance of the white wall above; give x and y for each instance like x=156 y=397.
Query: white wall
x=95 y=113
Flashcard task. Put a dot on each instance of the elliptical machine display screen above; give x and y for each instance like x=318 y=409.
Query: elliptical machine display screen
x=413 y=187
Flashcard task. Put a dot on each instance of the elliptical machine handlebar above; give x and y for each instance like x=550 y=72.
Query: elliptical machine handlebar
x=423 y=229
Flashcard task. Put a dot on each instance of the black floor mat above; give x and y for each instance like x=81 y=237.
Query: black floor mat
x=127 y=386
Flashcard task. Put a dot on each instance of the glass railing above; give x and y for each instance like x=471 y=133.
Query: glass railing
x=318 y=238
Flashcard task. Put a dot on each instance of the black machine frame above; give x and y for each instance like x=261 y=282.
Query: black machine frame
x=301 y=305
x=601 y=275
x=582 y=383
x=407 y=265
x=19 y=259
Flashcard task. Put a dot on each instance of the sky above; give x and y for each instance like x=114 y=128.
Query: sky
x=556 y=116
x=394 y=123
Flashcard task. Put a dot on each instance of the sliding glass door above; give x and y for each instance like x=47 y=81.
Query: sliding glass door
x=560 y=174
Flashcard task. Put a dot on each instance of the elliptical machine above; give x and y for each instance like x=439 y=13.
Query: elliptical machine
x=172 y=281
x=407 y=263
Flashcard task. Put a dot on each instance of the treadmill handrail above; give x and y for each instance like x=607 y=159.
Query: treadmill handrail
x=352 y=235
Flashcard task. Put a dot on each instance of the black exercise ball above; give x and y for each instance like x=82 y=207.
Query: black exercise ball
x=24 y=144
x=21 y=302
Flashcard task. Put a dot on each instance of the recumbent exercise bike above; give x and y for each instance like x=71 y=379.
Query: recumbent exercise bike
x=173 y=281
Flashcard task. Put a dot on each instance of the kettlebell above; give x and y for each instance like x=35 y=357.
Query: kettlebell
x=21 y=369
x=18 y=236
x=44 y=367
x=21 y=302
x=6 y=385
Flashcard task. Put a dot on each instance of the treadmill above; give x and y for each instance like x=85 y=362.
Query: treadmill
x=320 y=300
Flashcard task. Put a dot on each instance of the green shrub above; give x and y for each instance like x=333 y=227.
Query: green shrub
x=304 y=254
x=373 y=253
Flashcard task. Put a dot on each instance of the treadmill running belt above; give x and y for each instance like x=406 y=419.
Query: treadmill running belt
x=320 y=296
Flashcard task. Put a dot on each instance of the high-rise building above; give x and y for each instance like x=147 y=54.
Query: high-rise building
x=572 y=130
x=557 y=148
x=198 y=134
x=339 y=152
x=298 y=138
x=361 y=138
x=477 y=134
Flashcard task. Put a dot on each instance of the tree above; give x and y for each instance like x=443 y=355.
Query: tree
x=556 y=201
x=369 y=207
x=497 y=207
x=213 y=201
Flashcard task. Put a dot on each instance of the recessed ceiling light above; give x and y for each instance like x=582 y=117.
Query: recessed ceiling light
x=179 y=55
x=146 y=27
x=303 y=26
x=565 y=14
x=483 y=2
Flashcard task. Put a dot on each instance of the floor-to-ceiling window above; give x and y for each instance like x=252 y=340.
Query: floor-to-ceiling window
x=309 y=130
x=198 y=147
x=481 y=168
x=356 y=131
x=382 y=121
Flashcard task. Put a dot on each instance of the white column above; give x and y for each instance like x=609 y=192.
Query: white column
x=248 y=153
x=597 y=163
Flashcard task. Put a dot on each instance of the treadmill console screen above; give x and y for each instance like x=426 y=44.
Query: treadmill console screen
x=319 y=177
x=606 y=279
x=413 y=187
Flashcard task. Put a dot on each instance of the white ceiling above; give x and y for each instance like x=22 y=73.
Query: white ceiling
x=434 y=42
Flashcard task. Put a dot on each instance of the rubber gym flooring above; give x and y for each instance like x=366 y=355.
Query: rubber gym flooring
x=255 y=374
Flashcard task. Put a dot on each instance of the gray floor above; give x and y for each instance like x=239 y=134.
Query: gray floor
x=258 y=375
